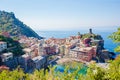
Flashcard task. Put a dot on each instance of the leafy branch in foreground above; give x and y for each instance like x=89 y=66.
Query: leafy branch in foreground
x=116 y=38
x=93 y=73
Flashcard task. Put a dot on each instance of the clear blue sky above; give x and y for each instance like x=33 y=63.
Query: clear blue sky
x=65 y=14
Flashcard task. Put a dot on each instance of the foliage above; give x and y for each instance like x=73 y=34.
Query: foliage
x=94 y=36
x=116 y=38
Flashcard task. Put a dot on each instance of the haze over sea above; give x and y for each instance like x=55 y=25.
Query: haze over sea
x=108 y=43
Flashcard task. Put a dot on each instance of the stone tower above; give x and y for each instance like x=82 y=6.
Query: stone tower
x=40 y=47
x=90 y=31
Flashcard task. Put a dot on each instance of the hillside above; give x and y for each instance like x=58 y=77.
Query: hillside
x=10 y=25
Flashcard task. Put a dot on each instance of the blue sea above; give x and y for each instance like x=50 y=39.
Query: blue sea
x=108 y=43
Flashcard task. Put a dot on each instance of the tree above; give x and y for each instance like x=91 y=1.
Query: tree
x=116 y=38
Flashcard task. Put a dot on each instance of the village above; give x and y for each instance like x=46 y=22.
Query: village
x=41 y=53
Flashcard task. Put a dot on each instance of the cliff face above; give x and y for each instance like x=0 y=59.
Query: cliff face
x=91 y=39
x=10 y=25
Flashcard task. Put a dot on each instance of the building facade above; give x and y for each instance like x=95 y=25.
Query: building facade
x=39 y=62
x=6 y=56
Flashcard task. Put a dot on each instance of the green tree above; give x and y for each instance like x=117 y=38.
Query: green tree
x=116 y=38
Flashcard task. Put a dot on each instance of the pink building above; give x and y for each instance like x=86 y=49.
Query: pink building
x=85 y=54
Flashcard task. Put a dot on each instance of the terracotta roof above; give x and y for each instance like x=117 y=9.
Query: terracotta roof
x=3 y=67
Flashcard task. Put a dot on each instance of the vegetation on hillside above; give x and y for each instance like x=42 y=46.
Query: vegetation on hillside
x=94 y=36
x=13 y=46
x=14 y=27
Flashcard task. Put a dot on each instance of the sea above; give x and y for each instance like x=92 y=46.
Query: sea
x=108 y=43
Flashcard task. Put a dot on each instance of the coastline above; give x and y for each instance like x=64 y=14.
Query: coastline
x=108 y=44
x=64 y=61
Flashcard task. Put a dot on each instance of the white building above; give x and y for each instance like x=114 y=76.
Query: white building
x=3 y=46
x=6 y=56
x=28 y=51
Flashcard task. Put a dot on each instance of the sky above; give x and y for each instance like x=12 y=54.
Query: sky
x=49 y=15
